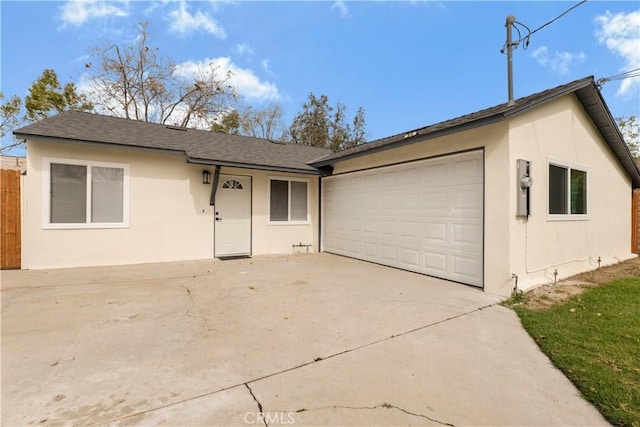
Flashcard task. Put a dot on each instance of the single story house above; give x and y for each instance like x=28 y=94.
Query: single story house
x=514 y=195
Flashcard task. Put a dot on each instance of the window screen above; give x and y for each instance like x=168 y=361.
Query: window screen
x=279 y=203
x=298 y=201
x=68 y=194
x=557 y=190
x=578 y=192
x=107 y=194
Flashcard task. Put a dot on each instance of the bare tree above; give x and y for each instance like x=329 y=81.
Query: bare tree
x=137 y=82
x=263 y=123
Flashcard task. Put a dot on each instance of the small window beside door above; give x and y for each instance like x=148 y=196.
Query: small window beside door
x=288 y=201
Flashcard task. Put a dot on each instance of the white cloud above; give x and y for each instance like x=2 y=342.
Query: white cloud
x=266 y=66
x=182 y=21
x=244 y=49
x=620 y=33
x=341 y=6
x=244 y=80
x=559 y=62
x=77 y=12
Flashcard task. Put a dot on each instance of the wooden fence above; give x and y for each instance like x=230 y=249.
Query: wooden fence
x=10 y=219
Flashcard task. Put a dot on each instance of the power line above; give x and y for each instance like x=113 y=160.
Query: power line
x=527 y=38
x=557 y=17
x=622 y=76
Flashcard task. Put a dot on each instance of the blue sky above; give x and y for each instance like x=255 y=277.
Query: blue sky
x=409 y=64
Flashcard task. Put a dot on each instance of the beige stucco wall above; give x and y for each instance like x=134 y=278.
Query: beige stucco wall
x=169 y=219
x=562 y=131
x=493 y=138
x=279 y=238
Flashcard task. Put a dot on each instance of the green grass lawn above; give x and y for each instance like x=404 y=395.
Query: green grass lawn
x=594 y=338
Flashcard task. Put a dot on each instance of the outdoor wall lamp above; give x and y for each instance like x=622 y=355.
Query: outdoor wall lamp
x=206 y=177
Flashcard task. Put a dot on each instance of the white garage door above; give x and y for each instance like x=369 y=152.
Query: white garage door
x=424 y=216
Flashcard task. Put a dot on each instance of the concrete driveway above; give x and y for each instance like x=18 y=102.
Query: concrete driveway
x=284 y=340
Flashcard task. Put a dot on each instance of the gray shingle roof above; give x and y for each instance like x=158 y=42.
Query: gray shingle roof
x=585 y=90
x=198 y=146
x=233 y=150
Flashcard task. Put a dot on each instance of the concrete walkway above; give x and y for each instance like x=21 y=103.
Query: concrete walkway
x=298 y=340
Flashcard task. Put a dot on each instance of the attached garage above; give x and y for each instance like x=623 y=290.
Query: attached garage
x=424 y=216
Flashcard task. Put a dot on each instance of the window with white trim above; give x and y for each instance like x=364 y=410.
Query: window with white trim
x=567 y=190
x=288 y=200
x=84 y=194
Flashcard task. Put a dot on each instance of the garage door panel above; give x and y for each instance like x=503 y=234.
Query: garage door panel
x=369 y=249
x=353 y=224
x=410 y=176
x=466 y=171
x=467 y=201
x=436 y=200
x=465 y=234
x=410 y=200
x=389 y=253
x=410 y=229
x=410 y=257
x=388 y=180
x=438 y=172
x=424 y=216
x=388 y=227
x=435 y=263
x=435 y=232
x=467 y=266
x=370 y=226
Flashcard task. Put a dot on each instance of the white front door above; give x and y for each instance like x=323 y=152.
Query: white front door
x=232 y=216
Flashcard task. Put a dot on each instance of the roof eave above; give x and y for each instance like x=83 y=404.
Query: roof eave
x=517 y=110
x=271 y=168
x=609 y=130
x=412 y=140
x=212 y=162
x=45 y=138
x=509 y=113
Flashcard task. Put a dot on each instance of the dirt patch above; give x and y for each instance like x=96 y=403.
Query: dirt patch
x=549 y=295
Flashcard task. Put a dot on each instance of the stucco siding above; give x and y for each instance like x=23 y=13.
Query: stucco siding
x=562 y=132
x=269 y=238
x=169 y=218
x=493 y=139
x=169 y=214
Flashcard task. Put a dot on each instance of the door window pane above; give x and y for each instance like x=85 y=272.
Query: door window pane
x=279 y=203
x=107 y=194
x=298 y=201
x=68 y=194
x=557 y=190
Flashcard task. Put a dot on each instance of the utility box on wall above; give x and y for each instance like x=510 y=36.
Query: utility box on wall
x=524 y=182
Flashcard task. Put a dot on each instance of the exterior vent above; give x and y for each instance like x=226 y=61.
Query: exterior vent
x=176 y=128
x=410 y=134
